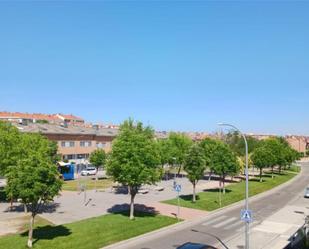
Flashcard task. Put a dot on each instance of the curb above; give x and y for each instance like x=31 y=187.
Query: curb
x=189 y=223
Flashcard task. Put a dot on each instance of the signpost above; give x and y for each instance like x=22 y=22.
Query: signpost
x=177 y=188
x=246 y=215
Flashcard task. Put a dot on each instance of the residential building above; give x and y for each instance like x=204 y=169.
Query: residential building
x=75 y=143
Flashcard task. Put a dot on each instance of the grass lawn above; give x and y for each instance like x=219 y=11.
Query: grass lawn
x=91 y=233
x=72 y=185
x=209 y=200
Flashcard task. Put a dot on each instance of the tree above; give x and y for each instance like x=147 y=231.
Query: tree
x=274 y=147
x=237 y=143
x=134 y=159
x=195 y=166
x=10 y=150
x=35 y=179
x=179 y=146
x=220 y=159
x=262 y=157
x=97 y=158
x=224 y=162
x=209 y=146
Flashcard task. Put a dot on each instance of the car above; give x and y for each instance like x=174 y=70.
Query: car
x=191 y=245
x=89 y=171
x=306 y=195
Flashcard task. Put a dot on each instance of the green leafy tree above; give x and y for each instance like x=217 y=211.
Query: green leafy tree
x=195 y=166
x=35 y=179
x=209 y=147
x=10 y=150
x=164 y=147
x=262 y=157
x=97 y=158
x=179 y=146
x=275 y=148
x=224 y=162
x=134 y=159
x=237 y=143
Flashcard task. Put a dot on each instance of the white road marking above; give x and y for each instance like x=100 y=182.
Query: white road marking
x=236 y=224
x=214 y=220
x=225 y=222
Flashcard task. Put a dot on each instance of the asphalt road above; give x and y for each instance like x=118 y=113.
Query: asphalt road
x=218 y=229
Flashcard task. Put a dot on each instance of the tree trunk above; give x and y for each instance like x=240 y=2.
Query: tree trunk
x=261 y=174
x=272 y=172
x=209 y=178
x=30 y=234
x=96 y=180
x=220 y=192
x=223 y=183
x=279 y=169
x=132 y=193
x=11 y=202
x=25 y=208
x=194 y=195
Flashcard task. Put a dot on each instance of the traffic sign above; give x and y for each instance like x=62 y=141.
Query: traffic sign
x=177 y=188
x=246 y=215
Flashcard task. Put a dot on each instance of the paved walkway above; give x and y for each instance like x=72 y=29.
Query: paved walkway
x=171 y=210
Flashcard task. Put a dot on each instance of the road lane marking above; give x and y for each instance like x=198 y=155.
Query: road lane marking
x=236 y=224
x=214 y=220
x=225 y=222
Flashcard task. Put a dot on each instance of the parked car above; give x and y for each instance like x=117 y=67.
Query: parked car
x=89 y=171
x=306 y=192
x=190 y=245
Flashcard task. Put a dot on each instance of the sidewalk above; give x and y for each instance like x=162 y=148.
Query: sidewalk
x=275 y=231
x=184 y=213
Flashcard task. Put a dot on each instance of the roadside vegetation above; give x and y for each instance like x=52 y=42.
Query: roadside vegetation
x=209 y=200
x=29 y=163
x=84 y=234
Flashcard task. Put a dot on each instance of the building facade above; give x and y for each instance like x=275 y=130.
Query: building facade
x=75 y=143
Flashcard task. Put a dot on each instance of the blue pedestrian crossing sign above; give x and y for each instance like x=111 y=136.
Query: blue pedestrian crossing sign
x=177 y=188
x=246 y=215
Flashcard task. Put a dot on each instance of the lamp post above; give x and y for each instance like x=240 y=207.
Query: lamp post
x=247 y=183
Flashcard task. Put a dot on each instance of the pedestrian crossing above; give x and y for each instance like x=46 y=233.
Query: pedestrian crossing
x=225 y=223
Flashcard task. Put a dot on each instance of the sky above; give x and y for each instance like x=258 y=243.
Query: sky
x=174 y=65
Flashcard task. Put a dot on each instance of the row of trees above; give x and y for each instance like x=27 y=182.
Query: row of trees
x=136 y=157
x=273 y=152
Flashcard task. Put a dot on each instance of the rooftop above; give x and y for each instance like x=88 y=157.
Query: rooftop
x=60 y=129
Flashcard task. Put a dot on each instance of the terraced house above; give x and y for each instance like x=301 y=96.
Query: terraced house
x=75 y=143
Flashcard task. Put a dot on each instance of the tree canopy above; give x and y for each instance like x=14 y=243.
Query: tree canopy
x=237 y=143
x=98 y=158
x=179 y=146
x=10 y=149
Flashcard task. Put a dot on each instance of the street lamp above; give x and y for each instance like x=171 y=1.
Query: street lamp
x=247 y=183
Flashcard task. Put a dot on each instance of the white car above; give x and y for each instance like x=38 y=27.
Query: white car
x=89 y=171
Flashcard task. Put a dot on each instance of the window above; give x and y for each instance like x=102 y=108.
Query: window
x=85 y=143
x=101 y=144
x=67 y=144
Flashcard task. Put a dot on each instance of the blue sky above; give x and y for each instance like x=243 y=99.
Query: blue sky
x=173 y=65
